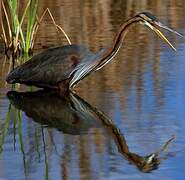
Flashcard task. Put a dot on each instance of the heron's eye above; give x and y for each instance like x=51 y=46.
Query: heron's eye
x=150 y=20
x=148 y=16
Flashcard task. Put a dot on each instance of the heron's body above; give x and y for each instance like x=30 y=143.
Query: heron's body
x=63 y=67
x=52 y=68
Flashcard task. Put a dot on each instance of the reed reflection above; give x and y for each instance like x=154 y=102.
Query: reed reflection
x=73 y=115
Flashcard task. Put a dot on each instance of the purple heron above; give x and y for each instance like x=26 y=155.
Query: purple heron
x=63 y=67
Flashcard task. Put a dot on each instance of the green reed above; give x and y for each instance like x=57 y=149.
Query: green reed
x=15 y=40
x=32 y=13
x=19 y=39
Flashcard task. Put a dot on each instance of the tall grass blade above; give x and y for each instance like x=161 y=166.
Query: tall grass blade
x=32 y=13
x=13 y=7
x=15 y=39
x=20 y=25
x=7 y=21
x=3 y=36
x=12 y=4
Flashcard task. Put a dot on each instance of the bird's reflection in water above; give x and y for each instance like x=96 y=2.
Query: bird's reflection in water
x=67 y=114
x=73 y=115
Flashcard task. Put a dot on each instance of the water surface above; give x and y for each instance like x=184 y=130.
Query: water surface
x=141 y=92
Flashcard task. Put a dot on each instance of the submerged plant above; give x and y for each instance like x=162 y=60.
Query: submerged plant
x=16 y=39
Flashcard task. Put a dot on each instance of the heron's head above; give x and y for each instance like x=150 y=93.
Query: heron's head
x=152 y=22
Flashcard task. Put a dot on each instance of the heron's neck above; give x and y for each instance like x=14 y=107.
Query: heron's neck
x=117 y=42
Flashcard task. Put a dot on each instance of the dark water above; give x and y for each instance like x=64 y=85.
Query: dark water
x=141 y=92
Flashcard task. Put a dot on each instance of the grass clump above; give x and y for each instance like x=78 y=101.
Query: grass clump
x=18 y=39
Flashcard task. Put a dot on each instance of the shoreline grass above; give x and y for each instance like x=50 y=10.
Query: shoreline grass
x=17 y=40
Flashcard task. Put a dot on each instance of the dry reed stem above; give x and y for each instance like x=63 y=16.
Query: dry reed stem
x=8 y=24
x=56 y=25
x=3 y=36
x=35 y=27
x=7 y=20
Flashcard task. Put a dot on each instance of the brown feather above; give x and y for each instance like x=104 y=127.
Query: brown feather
x=50 y=67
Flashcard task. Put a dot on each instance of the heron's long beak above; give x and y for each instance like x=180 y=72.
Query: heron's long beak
x=160 y=34
x=167 y=28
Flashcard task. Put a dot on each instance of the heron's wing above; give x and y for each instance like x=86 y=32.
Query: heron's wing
x=51 y=66
x=88 y=64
